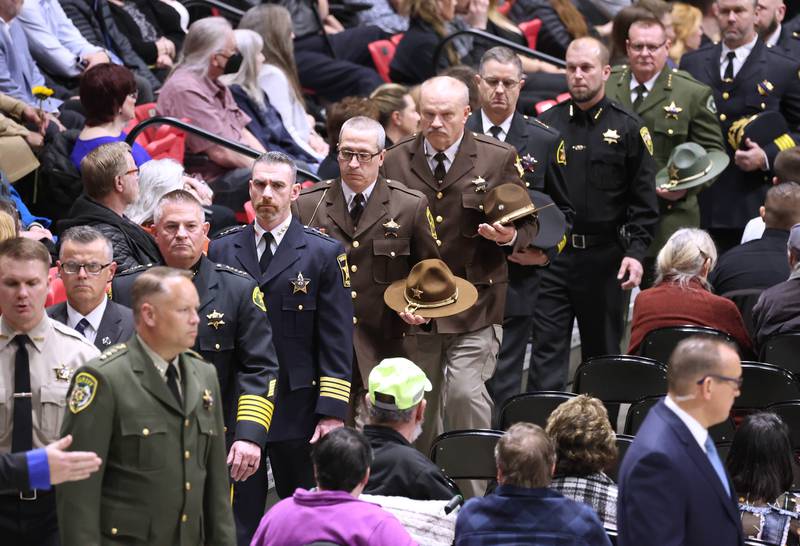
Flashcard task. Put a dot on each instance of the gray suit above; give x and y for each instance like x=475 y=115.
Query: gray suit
x=116 y=327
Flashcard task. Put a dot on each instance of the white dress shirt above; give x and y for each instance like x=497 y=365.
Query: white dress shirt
x=504 y=127
x=699 y=432
x=277 y=236
x=741 y=52
x=95 y=317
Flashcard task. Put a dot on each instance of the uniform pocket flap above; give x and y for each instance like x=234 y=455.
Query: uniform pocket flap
x=50 y=395
x=391 y=247
x=300 y=302
x=472 y=201
x=142 y=425
x=118 y=522
x=216 y=343
x=205 y=422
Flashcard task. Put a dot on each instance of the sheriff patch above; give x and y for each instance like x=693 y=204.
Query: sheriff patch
x=83 y=391
x=342 y=259
x=648 y=140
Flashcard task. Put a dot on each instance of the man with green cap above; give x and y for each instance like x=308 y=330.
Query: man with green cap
x=396 y=406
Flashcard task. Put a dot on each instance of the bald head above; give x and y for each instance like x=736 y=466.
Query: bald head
x=445 y=87
x=591 y=47
x=444 y=109
x=587 y=71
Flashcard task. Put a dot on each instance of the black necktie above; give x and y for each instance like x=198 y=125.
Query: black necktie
x=22 y=435
x=266 y=256
x=495 y=131
x=729 y=69
x=172 y=382
x=640 y=90
x=81 y=327
x=357 y=208
x=439 y=172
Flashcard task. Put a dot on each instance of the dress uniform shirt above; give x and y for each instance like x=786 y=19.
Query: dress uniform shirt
x=349 y=194
x=648 y=85
x=742 y=53
x=450 y=154
x=277 y=236
x=94 y=318
x=772 y=41
x=54 y=352
x=162 y=365
x=504 y=126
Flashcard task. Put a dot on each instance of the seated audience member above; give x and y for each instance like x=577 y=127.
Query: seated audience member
x=338 y=113
x=561 y=23
x=193 y=91
x=761 y=263
x=523 y=509
x=278 y=77
x=110 y=184
x=787 y=169
x=585 y=447
x=161 y=176
x=94 y=21
x=27 y=220
x=760 y=466
x=397 y=110
x=108 y=96
x=396 y=407
x=778 y=307
x=681 y=294
x=387 y=15
x=687 y=23
x=8 y=226
x=153 y=28
x=332 y=513
x=17 y=142
x=86 y=265
x=265 y=121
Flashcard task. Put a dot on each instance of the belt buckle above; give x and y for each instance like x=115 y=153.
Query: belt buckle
x=578 y=241
x=22 y=495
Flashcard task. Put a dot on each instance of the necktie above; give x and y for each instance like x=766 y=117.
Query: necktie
x=81 y=327
x=713 y=458
x=495 y=131
x=266 y=256
x=357 y=208
x=22 y=435
x=172 y=382
x=439 y=172
x=640 y=91
x=729 y=69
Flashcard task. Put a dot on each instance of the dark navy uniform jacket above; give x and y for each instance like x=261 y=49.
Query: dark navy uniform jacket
x=736 y=196
x=312 y=322
x=236 y=337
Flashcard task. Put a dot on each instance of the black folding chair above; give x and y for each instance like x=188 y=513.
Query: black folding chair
x=789 y=412
x=722 y=432
x=782 y=350
x=660 y=343
x=624 y=441
x=532 y=407
x=621 y=378
x=764 y=385
x=466 y=454
x=745 y=299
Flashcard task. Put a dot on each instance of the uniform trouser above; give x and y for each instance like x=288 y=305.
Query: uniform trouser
x=291 y=466
x=578 y=284
x=507 y=379
x=458 y=366
x=249 y=502
x=29 y=523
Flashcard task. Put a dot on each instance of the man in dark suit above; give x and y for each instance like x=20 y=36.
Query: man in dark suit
x=499 y=83
x=673 y=488
x=769 y=25
x=747 y=78
x=306 y=281
x=455 y=168
x=86 y=266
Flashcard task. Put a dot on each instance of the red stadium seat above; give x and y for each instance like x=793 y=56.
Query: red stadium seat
x=160 y=141
x=396 y=38
x=505 y=7
x=531 y=31
x=382 y=52
x=56 y=293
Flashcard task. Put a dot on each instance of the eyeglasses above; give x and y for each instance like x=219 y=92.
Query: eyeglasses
x=92 y=268
x=738 y=381
x=362 y=157
x=639 y=48
x=494 y=83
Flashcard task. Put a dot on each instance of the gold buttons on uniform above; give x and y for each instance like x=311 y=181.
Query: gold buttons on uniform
x=145 y=431
x=670 y=131
x=300 y=307
x=216 y=346
x=356 y=244
x=392 y=254
x=439 y=195
x=439 y=219
x=355 y=320
x=763 y=106
x=114 y=530
x=188 y=486
x=353 y=294
x=187 y=454
x=438 y=242
x=354 y=268
x=491 y=281
x=186 y=423
x=480 y=207
x=726 y=95
x=184 y=518
x=723 y=117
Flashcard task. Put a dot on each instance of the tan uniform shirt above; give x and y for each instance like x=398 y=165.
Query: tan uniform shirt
x=54 y=352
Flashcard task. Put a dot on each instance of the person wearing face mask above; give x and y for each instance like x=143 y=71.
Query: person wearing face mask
x=194 y=91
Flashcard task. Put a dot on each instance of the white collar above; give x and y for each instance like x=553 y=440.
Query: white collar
x=505 y=126
x=277 y=233
x=742 y=52
x=95 y=316
x=648 y=84
x=350 y=194
x=774 y=37
x=451 y=152
x=699 y=432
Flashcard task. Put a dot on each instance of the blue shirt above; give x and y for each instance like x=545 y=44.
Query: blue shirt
x=83 y=147
x=38 y=469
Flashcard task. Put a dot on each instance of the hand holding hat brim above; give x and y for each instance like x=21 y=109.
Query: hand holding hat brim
x=718 y=163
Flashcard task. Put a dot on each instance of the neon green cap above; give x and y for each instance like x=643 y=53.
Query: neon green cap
x=397 y=384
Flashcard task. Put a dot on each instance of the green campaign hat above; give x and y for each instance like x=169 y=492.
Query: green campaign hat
x=690 y=165
x=397 y=384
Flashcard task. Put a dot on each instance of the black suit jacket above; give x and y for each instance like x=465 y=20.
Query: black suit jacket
x=737 y=195
x=537 y=146
x=789 y=41
x=115 y=327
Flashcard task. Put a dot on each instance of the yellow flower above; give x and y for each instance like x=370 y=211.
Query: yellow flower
x=41 y=92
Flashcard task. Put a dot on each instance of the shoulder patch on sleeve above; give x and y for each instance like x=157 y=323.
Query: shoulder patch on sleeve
x=648 y=140
x=84 y=387
x=561 y=154
x=345 y=269
x=258 y=299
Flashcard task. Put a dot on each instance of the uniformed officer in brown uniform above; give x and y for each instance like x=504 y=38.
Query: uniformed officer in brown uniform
x=455 y=169
x=37 y=359
x=385 y=227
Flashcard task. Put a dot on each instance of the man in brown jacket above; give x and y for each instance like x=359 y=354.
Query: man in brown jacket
x=455 y=169
x=16 y=141
x=385 y=227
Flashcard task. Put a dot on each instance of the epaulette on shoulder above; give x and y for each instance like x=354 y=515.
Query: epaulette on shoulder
x=195 y=355
x=490 y=140
x=619 y=68
x=112 y=353
x=399 y=186
x=536 y=122
x=619 y=108
x=318 y=186
x=229 y=269
x=314 y=231
x=234 y=229
x=134 y=269
x=403 y=141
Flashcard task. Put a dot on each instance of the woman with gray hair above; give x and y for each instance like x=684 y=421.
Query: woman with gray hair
x=682 y=295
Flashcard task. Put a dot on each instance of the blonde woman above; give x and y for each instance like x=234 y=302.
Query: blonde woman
x=687 y=21
x=398 y=111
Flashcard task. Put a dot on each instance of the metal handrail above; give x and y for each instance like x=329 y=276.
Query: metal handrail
x=202 y=133
x=215 y=4
x=499 y=41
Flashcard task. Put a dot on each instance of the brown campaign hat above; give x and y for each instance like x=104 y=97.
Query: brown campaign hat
x=507 y=203
x=431 y=291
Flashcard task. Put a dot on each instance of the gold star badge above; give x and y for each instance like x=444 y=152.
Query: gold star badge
x=611 y=136
x=63 y=373
x=215 y=319
x=672 y=110
x=480 y=183
x=300 y=284
x=391 y=228
x=417 y=293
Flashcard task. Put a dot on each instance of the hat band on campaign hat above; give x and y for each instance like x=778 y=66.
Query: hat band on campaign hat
x=675 y=181
x=414 y=304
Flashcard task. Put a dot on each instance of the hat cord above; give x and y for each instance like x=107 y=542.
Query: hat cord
x=413 y=304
